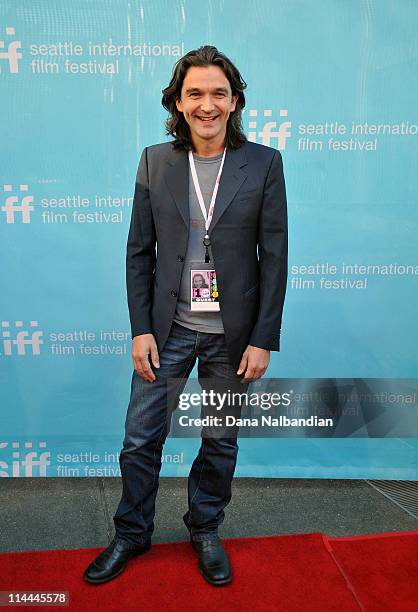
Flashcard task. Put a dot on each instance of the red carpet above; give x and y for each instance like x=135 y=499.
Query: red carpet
x=382 y=569
x=291 y=573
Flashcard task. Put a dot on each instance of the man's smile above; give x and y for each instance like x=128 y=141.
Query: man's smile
x=207 y=119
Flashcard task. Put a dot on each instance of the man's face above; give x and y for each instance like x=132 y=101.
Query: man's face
x=206 y=102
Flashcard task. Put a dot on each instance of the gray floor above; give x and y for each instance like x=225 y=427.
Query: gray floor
x=67 y=513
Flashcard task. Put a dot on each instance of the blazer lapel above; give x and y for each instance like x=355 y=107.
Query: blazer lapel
x=177 y=179
x=232 y=178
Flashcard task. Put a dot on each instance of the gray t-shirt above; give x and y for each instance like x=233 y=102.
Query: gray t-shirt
x=207 y=169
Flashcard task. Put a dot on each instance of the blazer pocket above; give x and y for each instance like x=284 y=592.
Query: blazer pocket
x=251 y=291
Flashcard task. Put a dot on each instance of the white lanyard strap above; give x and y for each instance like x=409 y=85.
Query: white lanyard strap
x=206 y=215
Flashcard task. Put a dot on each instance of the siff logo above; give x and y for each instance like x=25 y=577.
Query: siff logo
x=12 y=54
x=271 y=133
x=23 y=338
x=24 y=461
x=13 y=206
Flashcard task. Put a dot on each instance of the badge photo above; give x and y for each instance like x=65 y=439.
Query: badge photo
x=204 y=295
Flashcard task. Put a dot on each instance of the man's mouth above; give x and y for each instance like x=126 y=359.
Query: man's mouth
x=207 y=119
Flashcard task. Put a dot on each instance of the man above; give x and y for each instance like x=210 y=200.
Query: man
x=209 y=201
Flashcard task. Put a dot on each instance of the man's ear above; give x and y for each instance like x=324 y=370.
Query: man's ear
x=179 y=105
x=234 y=102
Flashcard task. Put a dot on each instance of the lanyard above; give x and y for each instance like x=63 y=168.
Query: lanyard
x=206 y=215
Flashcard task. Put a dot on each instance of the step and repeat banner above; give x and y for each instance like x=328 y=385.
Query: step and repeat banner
x=332 y=85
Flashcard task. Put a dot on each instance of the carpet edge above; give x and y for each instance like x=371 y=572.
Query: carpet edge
x=350 y=587
x=368 y=536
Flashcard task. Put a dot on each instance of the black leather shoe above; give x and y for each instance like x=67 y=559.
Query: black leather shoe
x=213 y=561
x=112 y=561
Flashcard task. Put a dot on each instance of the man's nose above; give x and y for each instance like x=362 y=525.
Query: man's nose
x=207 y=104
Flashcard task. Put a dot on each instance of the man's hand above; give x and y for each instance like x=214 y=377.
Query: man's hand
x=143 y=346
x=254 y=363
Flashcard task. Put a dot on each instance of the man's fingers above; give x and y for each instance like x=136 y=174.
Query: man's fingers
x=154 y=357
x=254 y=372
x=144 y=346
x=142 y=367
x=249 y=373
x=248 y=376
x=254 y=362
x=146 y=368
x=257 y=372
x=243 y=364
x=138 y=369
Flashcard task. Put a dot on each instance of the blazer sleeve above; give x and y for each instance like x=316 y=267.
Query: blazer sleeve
x=140 y=254
x=273 y=258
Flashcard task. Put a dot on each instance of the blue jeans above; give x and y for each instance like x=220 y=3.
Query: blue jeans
x=146 y=428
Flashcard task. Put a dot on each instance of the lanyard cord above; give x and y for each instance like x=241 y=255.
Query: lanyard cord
x=206 y=215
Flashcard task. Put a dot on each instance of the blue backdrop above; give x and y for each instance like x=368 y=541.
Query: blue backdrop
x=333 y=85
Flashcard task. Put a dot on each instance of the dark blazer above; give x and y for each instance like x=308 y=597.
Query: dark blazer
x=248 y=236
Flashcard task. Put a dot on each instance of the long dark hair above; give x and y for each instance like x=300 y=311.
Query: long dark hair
x=176 y=125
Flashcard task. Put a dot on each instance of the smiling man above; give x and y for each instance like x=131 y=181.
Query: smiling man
x=206 y=102
x=208 y=204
